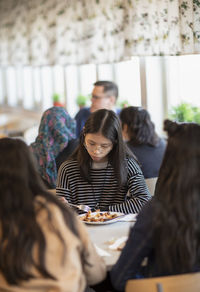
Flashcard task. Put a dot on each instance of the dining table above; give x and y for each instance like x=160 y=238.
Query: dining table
x=15 y=123
x=110 y=238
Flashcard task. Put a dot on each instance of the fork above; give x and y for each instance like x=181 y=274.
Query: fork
x=84 y=208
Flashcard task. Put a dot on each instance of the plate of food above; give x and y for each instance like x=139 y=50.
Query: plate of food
x=100 y=218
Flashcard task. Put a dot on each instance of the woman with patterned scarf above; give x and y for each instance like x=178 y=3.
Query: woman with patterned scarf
x=54 y=143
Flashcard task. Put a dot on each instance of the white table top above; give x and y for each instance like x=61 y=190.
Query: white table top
x=102 y=235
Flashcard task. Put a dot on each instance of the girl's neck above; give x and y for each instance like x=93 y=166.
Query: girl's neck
x=99 y=165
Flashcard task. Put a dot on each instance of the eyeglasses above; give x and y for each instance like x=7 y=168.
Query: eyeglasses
x=100 y=148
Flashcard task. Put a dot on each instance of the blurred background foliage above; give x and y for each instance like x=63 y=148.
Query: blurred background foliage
x=185 y=112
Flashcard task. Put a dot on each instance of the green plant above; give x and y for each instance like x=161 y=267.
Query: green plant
x=82 y=100
x=123 y=103
x=57 y=100
x=185 y=112
x=56 y=97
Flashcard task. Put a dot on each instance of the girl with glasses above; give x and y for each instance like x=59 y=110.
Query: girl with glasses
x=102 y=173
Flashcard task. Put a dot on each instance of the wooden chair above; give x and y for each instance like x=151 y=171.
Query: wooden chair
x=178 y=283
x=151 y=184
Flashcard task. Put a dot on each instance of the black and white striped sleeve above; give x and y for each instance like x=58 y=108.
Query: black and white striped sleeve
x=138 y=193
x=62 y=188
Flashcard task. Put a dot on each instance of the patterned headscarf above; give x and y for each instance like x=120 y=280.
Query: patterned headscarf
x=56 y=129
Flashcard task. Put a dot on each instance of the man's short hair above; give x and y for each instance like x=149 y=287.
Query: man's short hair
x=109 y=87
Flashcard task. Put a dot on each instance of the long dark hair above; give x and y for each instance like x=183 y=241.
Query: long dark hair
x=177 y=201
x=141 y=129
x=20 y=188
x=107 y=123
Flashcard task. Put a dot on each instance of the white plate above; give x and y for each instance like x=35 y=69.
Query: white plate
x=104 y=222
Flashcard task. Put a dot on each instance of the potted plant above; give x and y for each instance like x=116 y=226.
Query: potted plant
x=185 y=112
x=56 y=100
x=82 y=100
x=124 y=103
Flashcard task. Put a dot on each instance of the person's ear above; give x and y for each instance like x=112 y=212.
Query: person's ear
x=125 y=128
x=125 y=132
x=112 y=100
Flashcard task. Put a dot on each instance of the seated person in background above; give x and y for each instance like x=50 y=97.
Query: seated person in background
x=104 y=95
x=103 y=173
x=139 y=133
x=43 y=245
x=54 y=143
x=167 y=229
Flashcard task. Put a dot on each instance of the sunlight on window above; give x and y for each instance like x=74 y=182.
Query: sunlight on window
x=58 y=82
x=28 y=100
x=183 y=79
x=1 y=86
x=105 y=72
x=128 y=79
x=155 y=93
x=11 y=86
x=19 y=85
x=87 y=78
x=71 y=80
x=189 y=79
x=47 y=87
x=168 y=81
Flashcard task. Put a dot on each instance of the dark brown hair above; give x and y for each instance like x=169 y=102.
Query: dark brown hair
x=141 y=129
x=20 y=186
x=177 y=201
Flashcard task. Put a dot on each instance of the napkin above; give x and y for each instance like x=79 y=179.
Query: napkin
x=118 y=243
x=102 y=252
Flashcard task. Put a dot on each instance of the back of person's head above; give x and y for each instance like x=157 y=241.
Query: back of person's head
x=177 y=198
x=106 y=123
x=20 y=186
x=110 y=87
x=181 y=161
x=17 y=170
x=56 y=129
x=140 y=128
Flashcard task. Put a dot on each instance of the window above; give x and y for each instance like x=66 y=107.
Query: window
x=168 y=81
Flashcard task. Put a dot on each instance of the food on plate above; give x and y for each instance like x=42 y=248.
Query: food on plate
x=98 y=216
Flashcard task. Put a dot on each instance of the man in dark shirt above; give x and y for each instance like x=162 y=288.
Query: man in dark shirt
x=104 y=95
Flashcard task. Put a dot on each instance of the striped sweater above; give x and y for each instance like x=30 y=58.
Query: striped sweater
x=103 y=190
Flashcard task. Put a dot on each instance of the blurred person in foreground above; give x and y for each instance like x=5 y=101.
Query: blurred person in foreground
x=168 y=227
x=104 y=96
x=43 y=245
x=54 y=143
x=139 y=133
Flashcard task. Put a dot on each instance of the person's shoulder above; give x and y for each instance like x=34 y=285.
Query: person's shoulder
x=133 y=165
x=163 y=142
x=83 y=112
x=69 y=164
x=43 y=205
x=118 y=111
x=161 y=145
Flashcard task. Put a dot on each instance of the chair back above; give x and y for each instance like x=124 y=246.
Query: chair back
x=178 y=283
x=151 y=184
